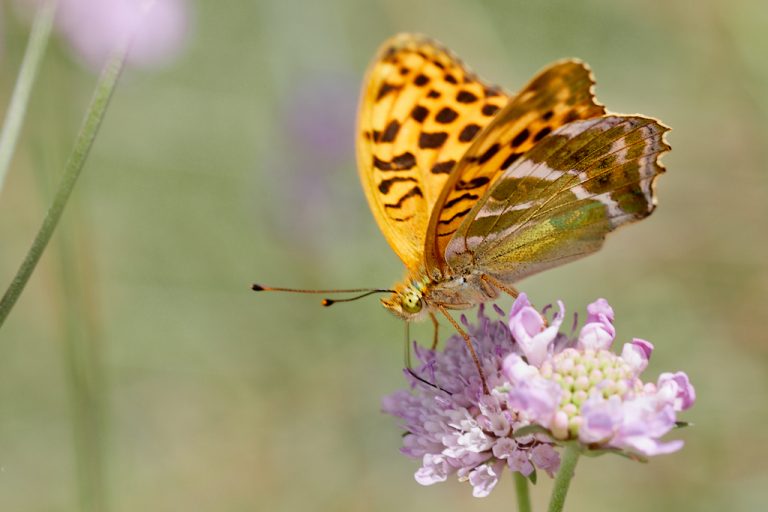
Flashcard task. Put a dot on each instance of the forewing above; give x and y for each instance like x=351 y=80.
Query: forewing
x=559 y=201
x=559 y=94
x=420 y=109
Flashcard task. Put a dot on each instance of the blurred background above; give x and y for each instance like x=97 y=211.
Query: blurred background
x=139 y=372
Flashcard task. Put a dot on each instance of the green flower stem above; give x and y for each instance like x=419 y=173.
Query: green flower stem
x=33 y=55
x=523 y=497
x=563 y=478
x=98 y=106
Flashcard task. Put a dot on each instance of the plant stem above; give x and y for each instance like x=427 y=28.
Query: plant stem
x=96 y=110
x=563 y=478
x=30 y=64
x=523 y=497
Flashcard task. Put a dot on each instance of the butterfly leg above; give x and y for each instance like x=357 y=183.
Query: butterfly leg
x=492 y=281
x=436 y=325
x=471 y=349
x=407 y=355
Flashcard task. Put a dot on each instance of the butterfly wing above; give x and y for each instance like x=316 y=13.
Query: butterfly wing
x=559 y=94
x=420 y=109
x=559 y=201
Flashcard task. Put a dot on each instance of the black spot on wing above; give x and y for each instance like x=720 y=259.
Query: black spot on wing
x=433 y=94
x=489 y=153
x=462 y=197
x=466 y=97
x=433 y=140
x=443 y=167
x=510 y=160
x=455 y=216
x=421 y=79
x=399 y=163
x=446 y=115
x=542 y=133
x=450 y=79
x=390 y=132
x=469 y=132
x=473 y=183
x=404 y=161
x=520 y=138
x=490 y=109
x=385 y=89
x=386 y=185
x=419 y=113
x=415 y=191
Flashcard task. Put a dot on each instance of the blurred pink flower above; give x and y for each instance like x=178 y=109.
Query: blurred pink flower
x=157 y=29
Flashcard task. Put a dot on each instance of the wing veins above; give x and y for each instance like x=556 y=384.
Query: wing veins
x=590 y=197
x=568 y=186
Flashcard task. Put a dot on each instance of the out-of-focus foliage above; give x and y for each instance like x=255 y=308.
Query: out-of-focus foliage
x=236 y=164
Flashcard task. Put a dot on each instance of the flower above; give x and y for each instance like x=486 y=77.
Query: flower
x=584 y=392
x=316 y=115
x=453 y=427
x=547 y=390
x=157 y=29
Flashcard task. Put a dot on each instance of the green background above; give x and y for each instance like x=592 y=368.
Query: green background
x=235 y=164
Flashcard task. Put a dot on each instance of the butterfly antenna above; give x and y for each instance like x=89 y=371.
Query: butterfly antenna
x=326 y=302
x=330 y=302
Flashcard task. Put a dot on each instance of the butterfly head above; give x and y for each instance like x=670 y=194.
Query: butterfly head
x=407 y=302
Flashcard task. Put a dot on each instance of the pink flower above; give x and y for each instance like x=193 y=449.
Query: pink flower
x=585 y=392
x=95 y=28
x=678 y=385
x=456 y=429
x=573 y=390
x=530 y=329
x=598 y=332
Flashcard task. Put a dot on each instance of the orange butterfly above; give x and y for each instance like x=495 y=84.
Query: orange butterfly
x=475 y=189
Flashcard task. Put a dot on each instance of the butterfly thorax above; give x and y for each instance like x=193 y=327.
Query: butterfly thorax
x=420 y=294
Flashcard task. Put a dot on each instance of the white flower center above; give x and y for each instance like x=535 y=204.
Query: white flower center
x=580 y=375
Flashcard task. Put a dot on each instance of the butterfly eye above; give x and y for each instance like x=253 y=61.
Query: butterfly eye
x=411 y=303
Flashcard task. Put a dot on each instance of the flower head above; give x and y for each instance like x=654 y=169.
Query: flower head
x=456 y=429
x=157 y=29
x=583 y=391
x=561 y=389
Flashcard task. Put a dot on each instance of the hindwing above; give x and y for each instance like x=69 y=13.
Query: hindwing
x=559 y=201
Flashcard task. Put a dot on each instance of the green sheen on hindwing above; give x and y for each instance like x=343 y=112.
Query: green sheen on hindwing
x=559 y=201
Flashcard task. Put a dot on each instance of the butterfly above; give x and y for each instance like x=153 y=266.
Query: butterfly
x=475 y=188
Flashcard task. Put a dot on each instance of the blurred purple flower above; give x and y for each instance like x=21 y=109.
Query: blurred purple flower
x=157 y=29
x=319 y=118
x=317 y=126
x=584 y=392
x=456 y=429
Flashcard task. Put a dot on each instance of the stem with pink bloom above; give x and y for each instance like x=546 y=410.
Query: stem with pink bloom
x=523 y=496
x=563 y=478
x=95 y=114
x=17 y=107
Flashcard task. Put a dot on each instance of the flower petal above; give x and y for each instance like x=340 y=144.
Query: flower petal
x=636 y=354
x=685 y=394
x=599 y=309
